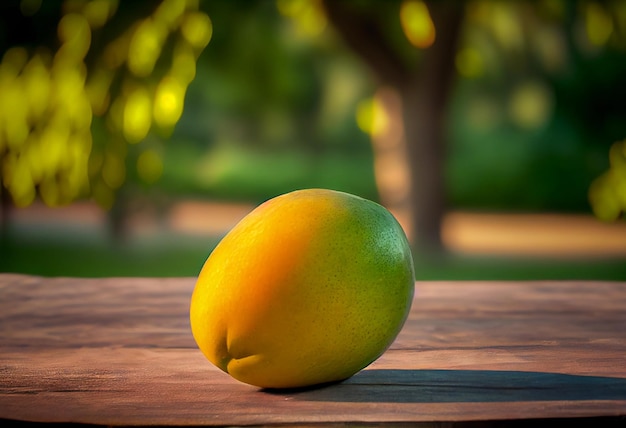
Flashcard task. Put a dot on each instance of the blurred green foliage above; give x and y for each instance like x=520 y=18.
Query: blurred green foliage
x=538 y=103
x=81 y=80
x=272 y=103
x=536 y=106
x=272 y=108
x=91 y=107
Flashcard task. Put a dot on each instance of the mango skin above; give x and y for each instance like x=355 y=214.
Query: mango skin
x=309 y=288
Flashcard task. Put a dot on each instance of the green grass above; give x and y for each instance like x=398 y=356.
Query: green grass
x=102 y=259
x=463 y=267
x=171 y=256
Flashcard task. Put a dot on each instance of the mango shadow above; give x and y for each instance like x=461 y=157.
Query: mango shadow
x=448 y=386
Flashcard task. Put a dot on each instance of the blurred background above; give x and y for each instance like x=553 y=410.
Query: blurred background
x=134 y=135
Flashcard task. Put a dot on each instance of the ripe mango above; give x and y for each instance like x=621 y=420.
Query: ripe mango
x=309 y=288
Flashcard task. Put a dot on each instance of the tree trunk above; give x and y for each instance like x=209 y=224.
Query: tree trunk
x=425 y=149
x=6 y=205
x=425 y=105
x=424 y=91
x=117 y=218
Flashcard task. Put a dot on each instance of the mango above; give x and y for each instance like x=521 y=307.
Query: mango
x=309 y=288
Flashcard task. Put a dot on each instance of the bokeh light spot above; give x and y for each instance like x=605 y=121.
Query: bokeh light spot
x=197 y=28
x=13 y=61
x=505 y=24
x=53 y=142
x=598 y=24
x=603 y=198
x=307 y=15
x=169 y=101
x=371 y=117
x=530 y=105
x=365 y=115
x=75 y=36
x=183 y=62
x=98 y=12
x=170 y=12
x=98 y=90
x=145 y=47
x=417 y=24
x=137 y=115
x=617 y=158
x=14 y=109
x=37 y=88
x=607 y=193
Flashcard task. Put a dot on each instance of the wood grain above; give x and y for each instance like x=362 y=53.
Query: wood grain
x=119 y=351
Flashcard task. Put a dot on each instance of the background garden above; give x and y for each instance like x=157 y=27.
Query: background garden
x=133 y=134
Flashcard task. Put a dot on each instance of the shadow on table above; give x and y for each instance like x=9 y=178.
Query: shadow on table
x=448 y=386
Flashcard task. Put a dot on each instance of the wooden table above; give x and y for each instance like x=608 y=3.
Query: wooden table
x=119 y=351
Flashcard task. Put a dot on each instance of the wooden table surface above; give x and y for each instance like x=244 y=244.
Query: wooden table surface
x=119 y=351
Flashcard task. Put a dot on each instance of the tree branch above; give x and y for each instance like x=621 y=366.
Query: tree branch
x=366 y=38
